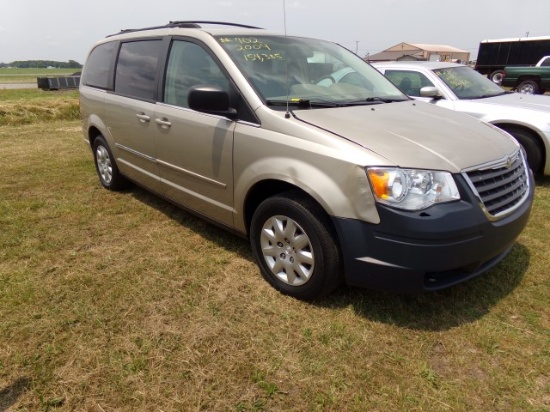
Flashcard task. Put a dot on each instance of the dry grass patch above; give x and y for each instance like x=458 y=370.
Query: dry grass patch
x=120 y=301
x=27 y=106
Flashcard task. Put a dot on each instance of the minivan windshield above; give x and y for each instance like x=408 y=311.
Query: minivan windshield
x=307 y=73
x=466 y=83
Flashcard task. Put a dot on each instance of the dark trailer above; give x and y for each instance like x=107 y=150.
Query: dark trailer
x=494 y=55
x=59 y=82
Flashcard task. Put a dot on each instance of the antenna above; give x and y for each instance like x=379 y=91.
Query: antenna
x=287 y=114
x=284 y=15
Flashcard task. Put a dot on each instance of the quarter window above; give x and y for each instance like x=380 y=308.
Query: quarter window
x=137 y=68
x=96 y=69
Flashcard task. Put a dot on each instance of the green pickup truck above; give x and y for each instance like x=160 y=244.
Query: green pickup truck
x=528 y=79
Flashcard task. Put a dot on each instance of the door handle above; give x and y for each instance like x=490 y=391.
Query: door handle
x=164 y=123
x=143 y=118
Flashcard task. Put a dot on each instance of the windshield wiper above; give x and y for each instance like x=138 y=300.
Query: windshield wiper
x=485 y=96
x=305 y=103
x=373 y=100
x=320 y=103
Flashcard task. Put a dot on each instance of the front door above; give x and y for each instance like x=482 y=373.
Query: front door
x=194 y=150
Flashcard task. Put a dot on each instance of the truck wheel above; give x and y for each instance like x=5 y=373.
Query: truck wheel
x=294 y=246
x=497 y=76
x=105 y=165
x=531 y=146
x=528 y=87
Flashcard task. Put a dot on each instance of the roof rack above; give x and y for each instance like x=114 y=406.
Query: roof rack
x=195 y=24
x=221 y=23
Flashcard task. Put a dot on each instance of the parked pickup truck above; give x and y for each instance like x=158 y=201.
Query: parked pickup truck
x=528 y=79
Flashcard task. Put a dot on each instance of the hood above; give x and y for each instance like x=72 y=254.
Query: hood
x=414 y=134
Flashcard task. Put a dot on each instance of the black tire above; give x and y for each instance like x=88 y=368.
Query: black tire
x=528 y=87
x=531 y=145
x=294 y=246
x=105 y=166
x=496 y=76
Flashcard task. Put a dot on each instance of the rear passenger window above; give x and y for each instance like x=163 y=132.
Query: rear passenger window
x=96 y=69
x=137 y=68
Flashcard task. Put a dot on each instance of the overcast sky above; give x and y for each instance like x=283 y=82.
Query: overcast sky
x=63 y=30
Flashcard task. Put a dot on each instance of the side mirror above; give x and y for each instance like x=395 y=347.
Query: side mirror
x=211 y=99
x=430 y=91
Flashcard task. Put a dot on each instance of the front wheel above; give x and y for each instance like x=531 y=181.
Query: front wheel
x=533 y=149
x=295 y=247
x=528 y=87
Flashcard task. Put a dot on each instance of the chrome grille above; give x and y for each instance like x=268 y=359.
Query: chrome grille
x=502 y=187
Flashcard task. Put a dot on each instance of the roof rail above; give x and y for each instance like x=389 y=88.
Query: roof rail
x=186 y=24
x=221 y=23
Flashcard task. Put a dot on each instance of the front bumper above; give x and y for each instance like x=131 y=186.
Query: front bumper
x=430 y=249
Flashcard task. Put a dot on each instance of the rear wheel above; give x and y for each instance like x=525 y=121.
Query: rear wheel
x=295 y=247
x=105 y=165
x=528 y=87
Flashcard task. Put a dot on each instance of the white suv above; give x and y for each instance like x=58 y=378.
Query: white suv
x=331 y=179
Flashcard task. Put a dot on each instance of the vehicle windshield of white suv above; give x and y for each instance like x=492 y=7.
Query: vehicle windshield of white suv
x=307 y=73
x=466 y=83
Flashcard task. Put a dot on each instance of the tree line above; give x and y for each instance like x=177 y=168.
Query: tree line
x=42 y=64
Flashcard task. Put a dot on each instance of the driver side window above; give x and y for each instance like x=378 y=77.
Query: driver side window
x=410 y=82
x=189 y=65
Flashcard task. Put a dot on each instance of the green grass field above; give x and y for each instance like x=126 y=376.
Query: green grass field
x=30 y=75
x=123 y=302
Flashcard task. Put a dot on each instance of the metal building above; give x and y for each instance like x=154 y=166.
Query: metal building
x=416 y=51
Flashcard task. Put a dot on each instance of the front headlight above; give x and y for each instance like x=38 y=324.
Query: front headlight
x=412 y=189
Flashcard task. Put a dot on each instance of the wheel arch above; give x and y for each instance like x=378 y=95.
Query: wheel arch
x=532 y=77
x=341 y=189
x=268 y=188
x=93 y=132
x=510 y=127
x=96 y=127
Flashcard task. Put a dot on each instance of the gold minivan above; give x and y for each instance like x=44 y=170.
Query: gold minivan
x=298 y=144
